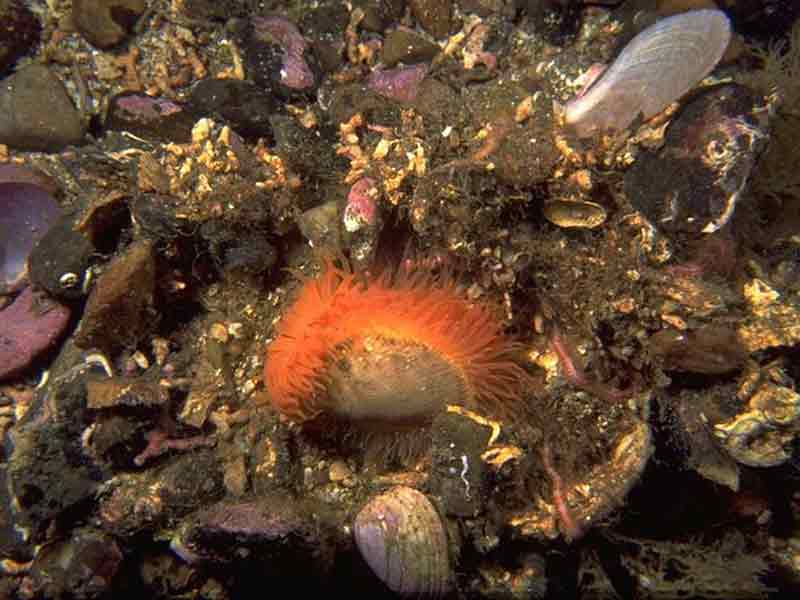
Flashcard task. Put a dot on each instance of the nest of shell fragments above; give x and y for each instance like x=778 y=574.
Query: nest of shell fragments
x=613 y=411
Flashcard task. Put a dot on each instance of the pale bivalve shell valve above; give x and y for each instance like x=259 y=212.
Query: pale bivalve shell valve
x=656 y=68
x=403 y=540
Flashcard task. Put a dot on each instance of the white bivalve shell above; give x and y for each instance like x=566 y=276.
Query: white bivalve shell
x=403 y=539
x=657 y=67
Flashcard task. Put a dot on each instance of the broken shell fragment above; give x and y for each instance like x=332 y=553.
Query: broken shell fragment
x=361 y=209
x=684 y=417
x=82 y=566
x=763 y=433
x=274 y=532
x=295 y=73
x=124 y=391
x=575 y=213
x=593 y=496
x=402 y=538
x=773 y=320
x=656 y=68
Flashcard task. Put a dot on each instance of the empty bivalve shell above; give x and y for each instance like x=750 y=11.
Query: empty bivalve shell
x=403 y=539
x=575 y=213
x=763 y=434
x=656 y=68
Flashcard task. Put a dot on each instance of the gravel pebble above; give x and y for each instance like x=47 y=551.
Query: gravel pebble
x=36 y=113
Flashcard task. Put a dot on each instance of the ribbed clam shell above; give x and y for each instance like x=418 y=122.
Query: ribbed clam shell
x=657 y=67
x=403 y=540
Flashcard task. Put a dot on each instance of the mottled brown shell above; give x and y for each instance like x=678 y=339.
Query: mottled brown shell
x=571 y=213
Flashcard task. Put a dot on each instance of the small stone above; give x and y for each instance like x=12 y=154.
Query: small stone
x=235 y=476
x=82 y=566
x=49 y=471
x=272 y=532
x=142 y=502
x=361 y=209
x=105 y=23
x=458 y=473
x=320 y=225
x=305 y=151
x=324 y=27
x=19 y=32
x=59 y=261
x=433 y=15
x=339 y=471
x=277 y=56
x=401 y=84
x=711 y=350
x=527 y=155
x=119 y=309
x=249 y=254
x=36 y=113
x=154 y=119
x=406 y=46
x=29 y=327
x=375 y=17
x=242 y=104
x=557 y=22
x=124 y=391
x=157 y=216
x=219 y=332
x=441 y=106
